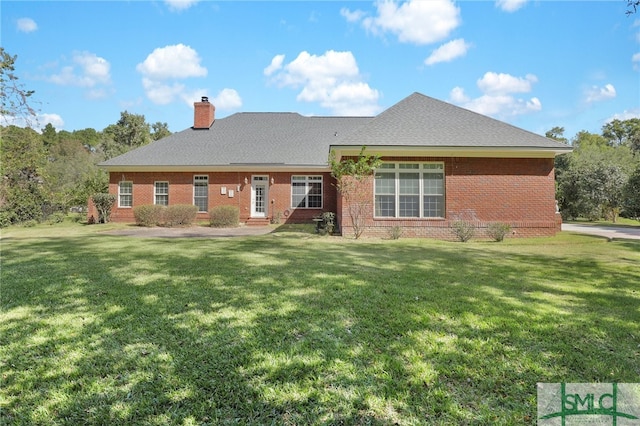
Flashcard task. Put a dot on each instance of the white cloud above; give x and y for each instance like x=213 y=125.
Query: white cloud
x=176 y=61
x=510 y=5
x=494 y=83
x=163 y=70
x=497 y=99
x=87 y=70
x=227 y=99
x=625 y=115
x=448 y=52
x=180 y=5
x=55 y=120
x=162 y=93
x=635 y=59
x=597 y=94
x=27 y=25
x=333 y=80
x=413 y=21
x=276 y=64
x=350 y=16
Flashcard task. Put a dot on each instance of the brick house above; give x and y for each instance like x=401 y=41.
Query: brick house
x=441 y=163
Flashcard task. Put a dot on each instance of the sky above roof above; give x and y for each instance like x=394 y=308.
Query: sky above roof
x=533 y=64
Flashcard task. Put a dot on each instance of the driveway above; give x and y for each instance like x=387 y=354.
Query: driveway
x=611 y=232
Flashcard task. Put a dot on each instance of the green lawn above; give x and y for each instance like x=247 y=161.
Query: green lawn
x=294 y=328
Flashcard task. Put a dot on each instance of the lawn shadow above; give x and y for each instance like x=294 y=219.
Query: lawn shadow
x=274 y=330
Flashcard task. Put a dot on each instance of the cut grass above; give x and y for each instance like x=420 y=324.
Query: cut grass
x=293 y=328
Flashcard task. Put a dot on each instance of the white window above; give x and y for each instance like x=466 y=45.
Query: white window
x=161 y=193
x=201 y=192
x=409 y=190
x=306 y=192
x=125 y=194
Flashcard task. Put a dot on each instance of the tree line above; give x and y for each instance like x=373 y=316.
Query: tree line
x=47 y=173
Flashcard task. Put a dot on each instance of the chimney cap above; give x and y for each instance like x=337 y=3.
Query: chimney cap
x=205 y=99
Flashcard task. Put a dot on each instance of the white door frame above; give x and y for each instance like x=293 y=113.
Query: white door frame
x=259 y=195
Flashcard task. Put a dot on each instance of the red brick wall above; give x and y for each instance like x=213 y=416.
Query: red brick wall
x=181 y=192
x=517 y=191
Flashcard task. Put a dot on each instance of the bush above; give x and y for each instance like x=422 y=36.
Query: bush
x=104 y=203
x=180 y=214
x=395 y=232
x=497 y=230
x=463 y=230
x=149 y=214
x=57 y=217
x=224 y=217
x=7 y=218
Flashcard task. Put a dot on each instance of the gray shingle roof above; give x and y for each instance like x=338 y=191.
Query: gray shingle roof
x=289 y=139
x=419 y=120
x=247 y=138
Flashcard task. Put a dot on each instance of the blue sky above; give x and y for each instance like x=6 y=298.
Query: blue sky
x=534 y=64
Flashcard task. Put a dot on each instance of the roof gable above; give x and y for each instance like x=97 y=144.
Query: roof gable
x=419 y=120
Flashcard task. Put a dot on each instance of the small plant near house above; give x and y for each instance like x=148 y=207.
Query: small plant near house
x=352 y=179
x=463 y=230
x=498 y=230
x=328 y=222
x=395 y=232
x=276 y=219
x=180 y=215
x=224 y=217
x=104 y=204
x=149 y=215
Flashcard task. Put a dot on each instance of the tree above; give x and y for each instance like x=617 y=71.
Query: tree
x=131 y=131
x=632 y=6
x=104 y=204
x=631 y=196
x=591 y=184
x=14 y=97
x=160 y=130
x=353 y=179
x=557 y=133
x=23 y=159
x=621 y=132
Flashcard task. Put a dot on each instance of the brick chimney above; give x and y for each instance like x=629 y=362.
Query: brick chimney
x=204 y=114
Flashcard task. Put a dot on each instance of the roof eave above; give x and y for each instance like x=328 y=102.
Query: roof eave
x=204 y=168
x=452 y=151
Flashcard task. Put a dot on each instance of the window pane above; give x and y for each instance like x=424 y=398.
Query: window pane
x=201 y=192
x=409 y=166
x=410 y=183
x=125 y=194
x=385 y=206
x=433 y=183
x=409 y=206
x=385 y=183
x=433 y=206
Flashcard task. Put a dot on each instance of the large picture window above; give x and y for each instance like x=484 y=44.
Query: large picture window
x=409 y=190
x=306 y=192
x=161 y=193
x=201 y=192
x=125 y=194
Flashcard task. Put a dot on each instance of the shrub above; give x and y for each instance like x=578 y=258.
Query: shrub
x=395 y=232
x=276 y=219
x=149 y=214
x=7 y=217
x=29 y=223
x=463 y=230
x=180 y=214
x=497 y=230
x=224 y=217
x=57 y=217
x=104 y=203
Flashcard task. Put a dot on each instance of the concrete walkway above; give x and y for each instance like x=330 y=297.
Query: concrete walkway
x=617 y=232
